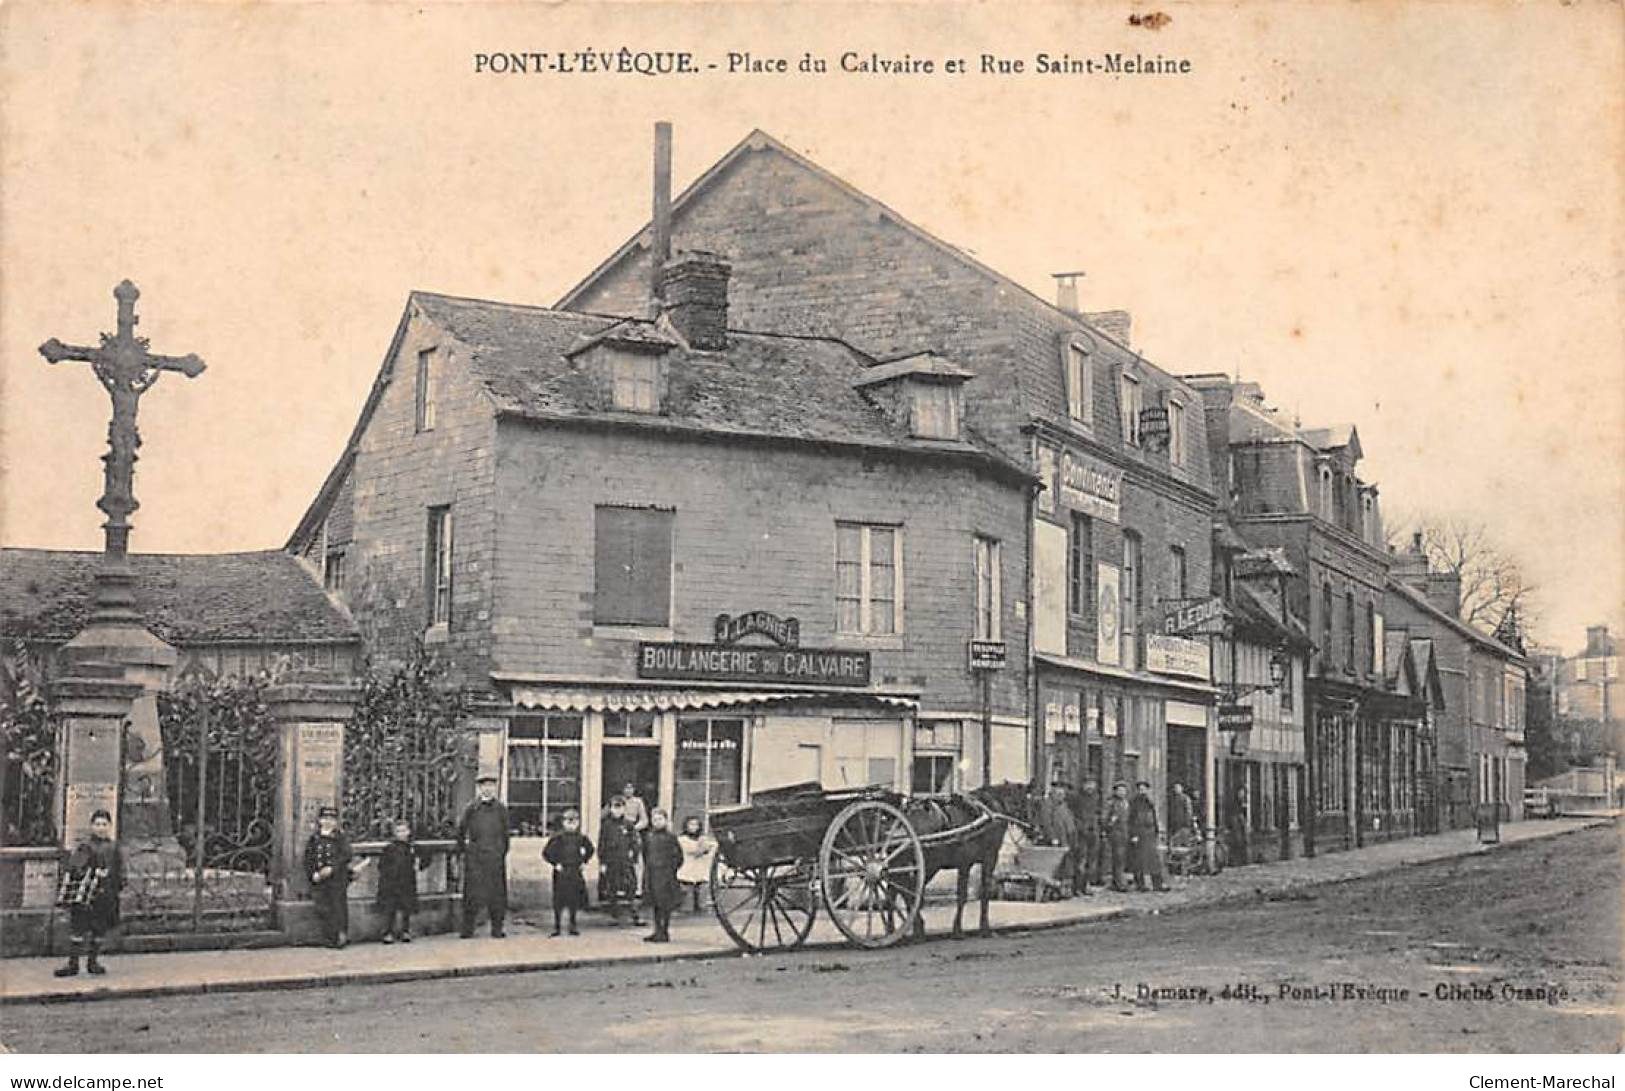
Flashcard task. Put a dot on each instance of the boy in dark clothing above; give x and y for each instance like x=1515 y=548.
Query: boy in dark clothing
x=327 y=862
x=568 y=851
x=618 y=855
x=90 y=890
x=663 y=855
x=398 y=883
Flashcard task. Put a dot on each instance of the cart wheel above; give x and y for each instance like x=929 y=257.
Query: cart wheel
x=873 y=874
x=769 y=908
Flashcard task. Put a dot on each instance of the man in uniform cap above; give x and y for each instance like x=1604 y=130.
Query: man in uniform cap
x=482 y=840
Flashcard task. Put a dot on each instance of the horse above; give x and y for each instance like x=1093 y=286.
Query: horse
x=935 y=820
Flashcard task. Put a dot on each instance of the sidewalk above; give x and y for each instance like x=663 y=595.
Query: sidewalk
x=528 y=948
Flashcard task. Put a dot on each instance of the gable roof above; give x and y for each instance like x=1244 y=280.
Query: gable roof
x=1334 y=438
x=758 y=140
x=1417 y=600
x=264 y=597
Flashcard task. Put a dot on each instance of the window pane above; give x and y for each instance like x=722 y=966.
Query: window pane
x=847 y=616
x=848 y=542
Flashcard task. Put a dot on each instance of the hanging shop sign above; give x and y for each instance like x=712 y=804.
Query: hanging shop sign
x=1091 y=488
x=987 y=655
x=718 y=663
x=1176 y=655
x=1235 y=717
x=732 y=628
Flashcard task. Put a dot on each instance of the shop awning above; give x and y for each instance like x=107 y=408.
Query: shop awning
x=569 y=699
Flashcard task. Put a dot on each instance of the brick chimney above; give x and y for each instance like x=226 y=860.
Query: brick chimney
x=1114 y=324
x=1444 y=592
x=694 y=298
x=1411 y=567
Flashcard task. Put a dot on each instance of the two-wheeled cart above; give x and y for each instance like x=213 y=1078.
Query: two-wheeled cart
x=856 y=852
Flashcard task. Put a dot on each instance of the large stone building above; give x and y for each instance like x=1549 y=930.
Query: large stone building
x=1298 y=490
x=676 y=554
x=1119 y=532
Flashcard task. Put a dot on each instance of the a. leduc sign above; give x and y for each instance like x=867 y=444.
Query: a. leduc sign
x=714 y=663
x=1186 y=619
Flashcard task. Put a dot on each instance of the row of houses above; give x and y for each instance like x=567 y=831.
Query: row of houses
x=789 y=489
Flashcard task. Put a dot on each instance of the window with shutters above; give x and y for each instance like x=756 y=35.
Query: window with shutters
x=868 y=579
x=1079 y=384
x=1131 y=401
x=634 y=383
x=1178 y=573
x=1080 y=570
x=1326 y=627
x=632 y=566
x=1350 y=639
x=1176 y=432
x=988 y=590
x=1131 y=595
x=437 y=566
x=936 y=410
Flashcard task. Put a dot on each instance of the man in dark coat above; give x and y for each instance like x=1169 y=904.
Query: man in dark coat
x=1182 y=828
x=1116 y=823
x=482 y=840
x=327 y=862
x=1142 y=835
x=1088 y=815
x=663 y=855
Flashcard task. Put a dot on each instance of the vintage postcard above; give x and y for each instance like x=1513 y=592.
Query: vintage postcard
x=812 y=527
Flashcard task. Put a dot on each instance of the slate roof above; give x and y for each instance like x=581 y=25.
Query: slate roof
x=531 y=362
x=265 y=597
x=1419 y=601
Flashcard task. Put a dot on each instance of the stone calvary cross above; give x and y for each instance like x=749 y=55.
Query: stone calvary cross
x=120 y=769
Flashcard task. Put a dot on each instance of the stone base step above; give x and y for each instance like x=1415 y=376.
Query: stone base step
x=132 y=944
x=179 y=921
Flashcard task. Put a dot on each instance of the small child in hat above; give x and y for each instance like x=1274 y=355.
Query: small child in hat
x=327 y=863
x=398 y=867
x=568 y=850
x=90 y=889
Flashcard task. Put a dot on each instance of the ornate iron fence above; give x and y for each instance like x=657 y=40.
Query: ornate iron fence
x=403 y=750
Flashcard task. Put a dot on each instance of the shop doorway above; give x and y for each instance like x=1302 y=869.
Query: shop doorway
x=639 y=765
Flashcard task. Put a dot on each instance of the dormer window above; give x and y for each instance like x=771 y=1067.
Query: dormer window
x=1131 y=399
x=1079 y=382
x=635 y=383
x=935 y=410
x=920 y=394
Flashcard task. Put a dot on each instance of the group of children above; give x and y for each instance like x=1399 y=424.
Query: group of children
x=669 y=865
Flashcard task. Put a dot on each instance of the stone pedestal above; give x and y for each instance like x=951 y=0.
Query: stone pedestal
x=95 y=704
x=140 y=659
x=310 y=711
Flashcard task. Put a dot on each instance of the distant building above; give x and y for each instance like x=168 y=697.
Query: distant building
x=1486 y=681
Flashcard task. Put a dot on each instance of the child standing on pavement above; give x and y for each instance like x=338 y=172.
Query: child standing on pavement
x=90 y=889
x=327 y=863
x=398 y=884
x=567 y=851
x=698 y=850
x=662 y=857
x=618 y=855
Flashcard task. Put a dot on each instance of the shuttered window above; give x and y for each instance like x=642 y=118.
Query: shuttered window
x=632 y=566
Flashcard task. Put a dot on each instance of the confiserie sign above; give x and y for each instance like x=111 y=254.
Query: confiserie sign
x=715 y=663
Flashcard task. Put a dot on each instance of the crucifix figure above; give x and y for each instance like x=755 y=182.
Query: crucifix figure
x=124 y=366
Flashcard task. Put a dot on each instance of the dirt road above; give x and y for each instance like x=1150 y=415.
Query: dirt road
x=1517 y=950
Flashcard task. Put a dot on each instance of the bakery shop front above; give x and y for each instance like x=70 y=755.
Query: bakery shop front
x=695 y=727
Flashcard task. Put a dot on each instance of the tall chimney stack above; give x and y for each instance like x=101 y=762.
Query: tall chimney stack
x=660 y=244
x=1066 y=291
